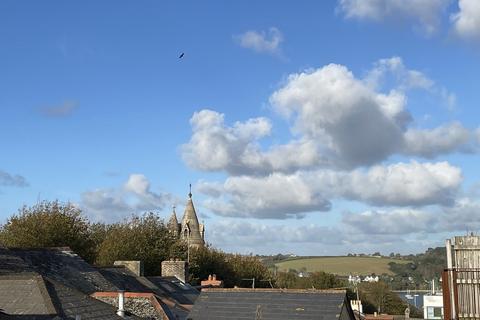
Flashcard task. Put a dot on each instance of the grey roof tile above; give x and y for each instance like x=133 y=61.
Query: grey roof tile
x=267 y=304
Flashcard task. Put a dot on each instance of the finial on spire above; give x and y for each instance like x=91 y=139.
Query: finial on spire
x=190 y=193
x=173 y=208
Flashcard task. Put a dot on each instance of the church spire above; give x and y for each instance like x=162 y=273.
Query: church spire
x=191 y=230
x=173 y=225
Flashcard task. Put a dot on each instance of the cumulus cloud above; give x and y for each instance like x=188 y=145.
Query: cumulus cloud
x=343 y=129
x=398 y=221
x=445 y=139
x=268 y=42
x=59 y=111
x=214 y=146
x=134 y=196
x=281 y=196
x=360 y=124
x=462 y=216
x=383 y=230
x=393 y=71
x=403 y=184
x=338 y=120
x=426 y=14
x=466 y=22
x=332 y=106
x=9 y=180
x=276 y=196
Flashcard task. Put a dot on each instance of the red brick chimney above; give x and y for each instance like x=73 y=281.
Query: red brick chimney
x=212 y=282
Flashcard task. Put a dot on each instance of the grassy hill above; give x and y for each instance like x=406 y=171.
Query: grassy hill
x=342 y=266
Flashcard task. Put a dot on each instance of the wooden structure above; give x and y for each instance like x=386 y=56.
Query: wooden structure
x=461 y=279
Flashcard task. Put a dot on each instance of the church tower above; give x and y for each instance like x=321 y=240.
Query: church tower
x=173 y=225
x=191 y=231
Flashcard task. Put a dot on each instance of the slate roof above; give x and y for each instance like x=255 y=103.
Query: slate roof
x=272 y=304
x=11 y=264
x=25 y=294
x=64 y=266
x=70 y=282
x=175 y=296
x=31 y=296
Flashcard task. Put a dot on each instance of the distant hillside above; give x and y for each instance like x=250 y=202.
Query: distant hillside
x=342 y=266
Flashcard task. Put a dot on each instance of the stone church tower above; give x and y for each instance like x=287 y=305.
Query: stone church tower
x=189 y=229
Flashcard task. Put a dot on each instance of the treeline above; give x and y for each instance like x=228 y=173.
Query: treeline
x=420 y=271
x=379 y=297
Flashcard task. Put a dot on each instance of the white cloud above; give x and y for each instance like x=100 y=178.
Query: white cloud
x=331 y=106
x=276 y=196
x=426 y=14
x=445 y=139
x=268 y=42
x=358 y=124
x=466 y=22
x=393 y=70
x=134 y=196
x=9 y=180
x=344 y=129
x=404 y=184
x=398 y=221
x=405 y=78
x=281 y=196
x=339 y=121
x=214 y=146
x=400 y=229
x=462 y=216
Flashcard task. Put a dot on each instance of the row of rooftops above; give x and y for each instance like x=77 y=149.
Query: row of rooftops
x=55 y=283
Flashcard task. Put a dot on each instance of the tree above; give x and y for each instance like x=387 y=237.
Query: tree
x=323 y=280
x=249 y=267
x=377 y=296
x=286 y=280
x=205 y=261
x=233 y=269
x=144 y=238
x=49 y=224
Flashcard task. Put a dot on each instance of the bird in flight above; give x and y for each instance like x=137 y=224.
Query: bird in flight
x=181 y=55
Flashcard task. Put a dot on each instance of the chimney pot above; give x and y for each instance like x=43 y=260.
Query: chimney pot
x=121 y=303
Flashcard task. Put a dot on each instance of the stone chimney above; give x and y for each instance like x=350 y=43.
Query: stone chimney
x=135 y=267
x=175 y=268
x=212 y=282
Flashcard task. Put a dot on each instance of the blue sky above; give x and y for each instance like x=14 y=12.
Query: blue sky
x=320 y=127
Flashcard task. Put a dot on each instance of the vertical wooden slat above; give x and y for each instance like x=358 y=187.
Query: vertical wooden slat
x=455 y=294
x=447 y=311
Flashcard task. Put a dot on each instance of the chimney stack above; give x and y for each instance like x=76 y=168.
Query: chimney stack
x=134 y=266
x=175 y=268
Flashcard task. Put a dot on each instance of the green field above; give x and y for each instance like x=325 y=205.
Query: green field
x=342 y=266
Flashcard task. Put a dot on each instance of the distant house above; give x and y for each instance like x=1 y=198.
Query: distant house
x=271 y=304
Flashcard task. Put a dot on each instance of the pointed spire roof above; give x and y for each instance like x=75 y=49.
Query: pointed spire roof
x=190 y=223
x=190 y=215
x=173 y=218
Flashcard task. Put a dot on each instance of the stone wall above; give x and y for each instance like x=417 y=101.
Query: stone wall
x=134 y=266
x=175 y=268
